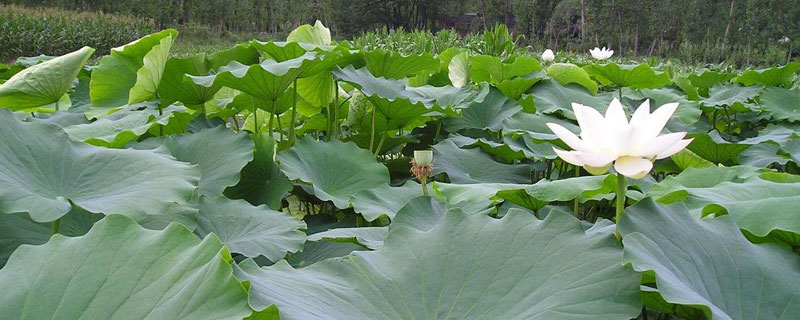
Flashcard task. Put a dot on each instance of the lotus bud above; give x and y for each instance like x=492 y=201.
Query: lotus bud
x=423 y=158
x=548 y=55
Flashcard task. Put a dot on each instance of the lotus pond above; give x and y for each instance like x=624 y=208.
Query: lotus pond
x=310 y=179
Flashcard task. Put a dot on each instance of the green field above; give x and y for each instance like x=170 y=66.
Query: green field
x=395 y=175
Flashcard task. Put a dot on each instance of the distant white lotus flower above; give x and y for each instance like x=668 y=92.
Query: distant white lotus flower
x=548 y=55
x=630 y=146
x=601 y=54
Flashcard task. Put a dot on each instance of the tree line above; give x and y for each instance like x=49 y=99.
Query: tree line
x=706 y=29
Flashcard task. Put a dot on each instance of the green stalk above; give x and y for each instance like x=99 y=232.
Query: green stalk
x=235 y=123
x=620 y=207
x=620 y=94
x=255 y=120
x=280 y=127
x=57 y=109
x=328 y=124
x=294 y=114
x=372 y=130
x=336 y=111
x=575 y=205
x=160 y=113
x=54 y=228
x=380 y=144
x=424 y=181
x=272 y=117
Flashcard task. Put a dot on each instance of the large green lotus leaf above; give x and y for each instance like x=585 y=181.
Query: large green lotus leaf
x=493 y=70
x=473 y=166
x=773 y=77
x=125 y=125
x=262 y=181
x=336 y=170
x=688 y=159
x=219 y=153
x=44 y=83
x=459 y=70
x=149 y=76
x=628 y=76
x=535 y=125
x=565 y=73
x=487 y=114
x=706 y=79
x=709 y=264
x=781 y=104
x=552 y=97
x=173 y=87
x=367 y=237
x=729 y=94
x=516 y=87
x=393 y=65
x=467 y=266
x=533 y=197
x=780 y=134
x=317 y=34
x=759 y=204
x=371 y=85
x=385 y=200
x=316 y=251
x=121 y=271
x=282 y=51
x=510 y=149
x=762 y=155
x=144 y=185
x=131 y=73
x=18 y=228
x=687 y=114
x=712 y=147
x=266 y=80
x=249 y=230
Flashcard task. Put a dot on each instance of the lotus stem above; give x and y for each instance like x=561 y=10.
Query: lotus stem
x=336 y=111
x=54 y=228
x=294 y=114
x=255 y=120
x=438 y=130
x=280 y=127
x=372 y=130
x=424 y=181
x=235 y=123
x=160 y=113
x=620 y=93
x=57 y=109
x=575 y=205
x=620 y=207
x=328 y=124
x=272 y=117
x=380 y=144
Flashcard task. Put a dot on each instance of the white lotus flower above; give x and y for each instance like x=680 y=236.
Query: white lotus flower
x=548 y=55
x=630 y=146
x=423 y=157
x=601 y=54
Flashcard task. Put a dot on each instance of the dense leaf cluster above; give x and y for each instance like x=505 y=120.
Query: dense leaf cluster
x=271 y=181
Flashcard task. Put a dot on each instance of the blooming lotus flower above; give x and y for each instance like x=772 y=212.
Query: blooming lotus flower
x=601 y=54
x=548 y=55
x=630 y=146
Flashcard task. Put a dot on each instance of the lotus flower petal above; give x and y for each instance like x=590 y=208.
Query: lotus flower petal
x=660 y=144
x=633 y=167
x=675 y=148
x=570 y=157
x=567 y=136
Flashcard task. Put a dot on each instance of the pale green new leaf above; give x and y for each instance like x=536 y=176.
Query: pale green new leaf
x=44 y=83
x=565 y=73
